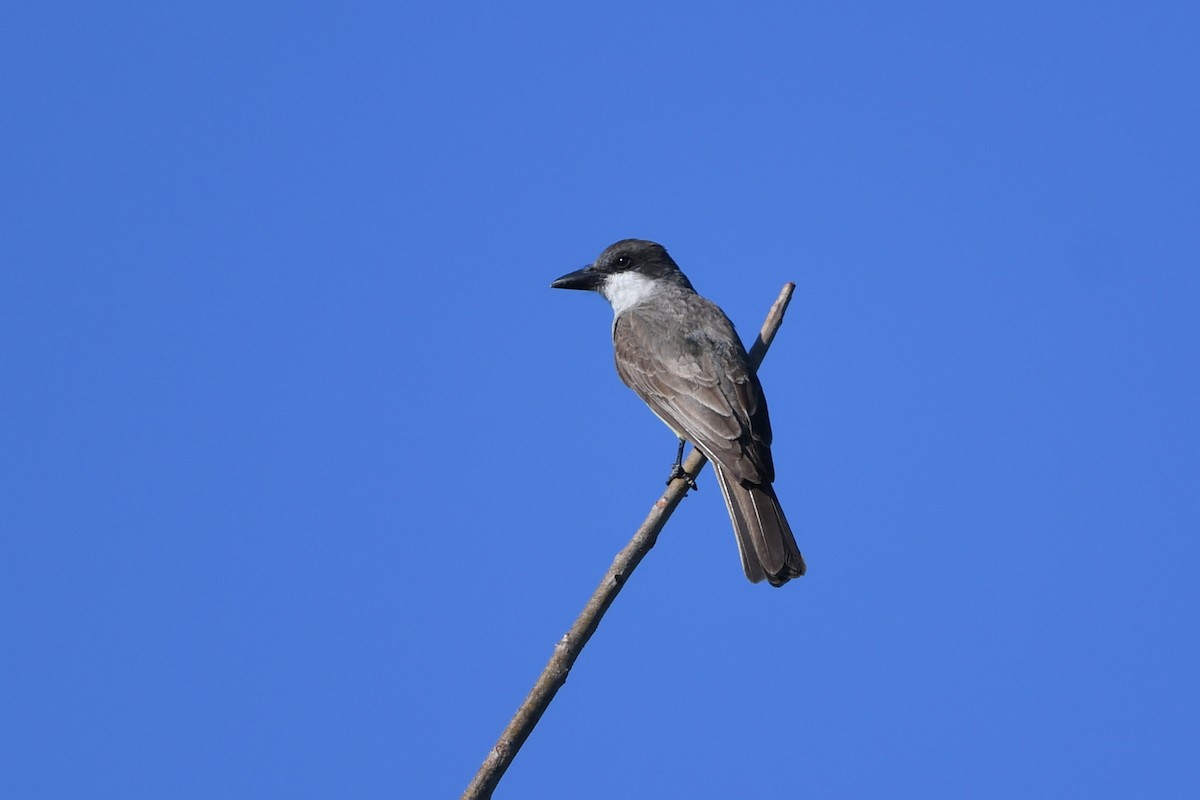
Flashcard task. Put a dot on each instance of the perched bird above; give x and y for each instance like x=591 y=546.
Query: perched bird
x=681 y=355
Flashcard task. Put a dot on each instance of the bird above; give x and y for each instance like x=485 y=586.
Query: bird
x=680 y=353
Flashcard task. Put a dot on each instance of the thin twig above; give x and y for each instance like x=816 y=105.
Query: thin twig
x=570 y=646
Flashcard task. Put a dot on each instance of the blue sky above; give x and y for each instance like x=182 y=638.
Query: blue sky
x=305 y=468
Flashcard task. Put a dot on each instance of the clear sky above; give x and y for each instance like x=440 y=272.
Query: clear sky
x=304 y=468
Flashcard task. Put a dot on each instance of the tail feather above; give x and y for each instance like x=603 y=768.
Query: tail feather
x=764 y=537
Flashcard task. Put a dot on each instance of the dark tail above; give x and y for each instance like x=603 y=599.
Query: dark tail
x=764 y=537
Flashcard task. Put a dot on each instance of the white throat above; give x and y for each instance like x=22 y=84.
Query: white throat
x=624 y=290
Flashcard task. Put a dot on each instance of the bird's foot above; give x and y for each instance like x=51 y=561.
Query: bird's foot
x=677 y=471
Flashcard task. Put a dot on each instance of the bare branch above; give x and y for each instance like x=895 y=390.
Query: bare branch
x=570 y=646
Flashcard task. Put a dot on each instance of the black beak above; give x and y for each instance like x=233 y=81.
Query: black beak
x=586 y=278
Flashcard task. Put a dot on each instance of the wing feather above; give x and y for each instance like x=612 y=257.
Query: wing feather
x=700 y=385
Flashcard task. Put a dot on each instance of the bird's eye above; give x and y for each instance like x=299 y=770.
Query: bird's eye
x=621 y=261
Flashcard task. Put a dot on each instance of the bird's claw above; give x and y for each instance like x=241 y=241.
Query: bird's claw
x=678 y=471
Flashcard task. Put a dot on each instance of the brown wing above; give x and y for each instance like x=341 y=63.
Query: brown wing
x=701 y=385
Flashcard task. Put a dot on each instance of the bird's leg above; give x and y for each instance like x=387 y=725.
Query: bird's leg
x=677 y=470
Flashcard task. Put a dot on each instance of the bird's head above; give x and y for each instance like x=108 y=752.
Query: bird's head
x=626 y=273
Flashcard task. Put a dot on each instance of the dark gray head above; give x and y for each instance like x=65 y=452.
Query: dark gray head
x=626 y=272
